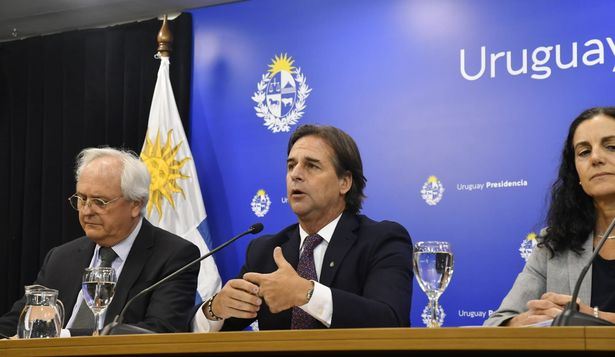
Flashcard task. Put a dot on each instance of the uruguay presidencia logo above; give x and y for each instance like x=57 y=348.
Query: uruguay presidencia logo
x=528 y=245
x=432 y=191
x=164 y=169
x=280 y=98
x=260 y=203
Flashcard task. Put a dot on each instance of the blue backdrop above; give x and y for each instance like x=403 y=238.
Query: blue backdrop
x=460 y=109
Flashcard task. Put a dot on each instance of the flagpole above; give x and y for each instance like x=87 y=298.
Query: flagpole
x=176 y=202
x=165 y=39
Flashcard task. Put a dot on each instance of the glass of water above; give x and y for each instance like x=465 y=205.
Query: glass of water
x=98 y=288
x=433 y=267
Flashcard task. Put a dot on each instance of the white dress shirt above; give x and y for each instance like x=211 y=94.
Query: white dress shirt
x=320 y=305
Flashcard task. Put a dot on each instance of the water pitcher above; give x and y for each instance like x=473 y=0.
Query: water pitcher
x=43 y=314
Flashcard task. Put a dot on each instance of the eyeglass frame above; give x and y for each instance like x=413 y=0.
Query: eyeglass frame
x=101 y=205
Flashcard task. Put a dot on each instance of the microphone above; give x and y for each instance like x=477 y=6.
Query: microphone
x=116 y=327
x=571 y=315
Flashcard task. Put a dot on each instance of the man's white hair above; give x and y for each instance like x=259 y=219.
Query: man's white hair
x=135 y=178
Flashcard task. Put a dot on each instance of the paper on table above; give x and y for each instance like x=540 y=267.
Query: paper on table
x=546 y=323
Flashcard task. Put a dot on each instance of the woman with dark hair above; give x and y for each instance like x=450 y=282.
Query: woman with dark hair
x=582 y=207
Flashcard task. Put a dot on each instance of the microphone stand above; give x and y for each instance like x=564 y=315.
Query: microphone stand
x=116 y=327
x=571 y=315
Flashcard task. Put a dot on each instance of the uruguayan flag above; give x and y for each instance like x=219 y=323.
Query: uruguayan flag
x=175 y=202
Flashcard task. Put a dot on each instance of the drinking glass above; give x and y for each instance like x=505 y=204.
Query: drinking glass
x=433 y=267
x=98 y=287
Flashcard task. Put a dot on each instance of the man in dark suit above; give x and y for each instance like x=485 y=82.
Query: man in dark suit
x=112 y=193
x=335 y=268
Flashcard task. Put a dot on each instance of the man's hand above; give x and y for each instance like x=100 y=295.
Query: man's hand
x=238 y=298
x=283 y=288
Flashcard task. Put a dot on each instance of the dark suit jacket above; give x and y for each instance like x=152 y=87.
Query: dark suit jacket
x=155 y=254
x=367 y=265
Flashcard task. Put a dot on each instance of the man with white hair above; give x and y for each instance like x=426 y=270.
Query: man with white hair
x=111 y=195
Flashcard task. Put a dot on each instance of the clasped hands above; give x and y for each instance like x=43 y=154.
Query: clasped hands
x=281 y=290
x=546 y=308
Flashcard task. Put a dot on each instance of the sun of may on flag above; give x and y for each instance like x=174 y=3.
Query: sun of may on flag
x=175 y=200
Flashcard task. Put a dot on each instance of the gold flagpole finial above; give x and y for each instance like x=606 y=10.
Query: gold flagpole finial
x=165 y=39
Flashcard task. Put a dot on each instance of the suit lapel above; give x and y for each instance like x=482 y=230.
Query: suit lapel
x=83 y=257
x=342 y=240
x=135 y=262
x=290 y=248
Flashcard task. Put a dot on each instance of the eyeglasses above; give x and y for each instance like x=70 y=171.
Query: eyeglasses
x=98 y=204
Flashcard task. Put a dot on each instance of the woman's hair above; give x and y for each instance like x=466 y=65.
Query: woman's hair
x=571 y=216
x=346 y=159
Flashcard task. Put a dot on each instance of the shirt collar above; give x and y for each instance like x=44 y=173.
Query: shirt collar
x=326 y=232
x=123 y=248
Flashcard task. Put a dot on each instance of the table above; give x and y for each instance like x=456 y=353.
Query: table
x=387 y=341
